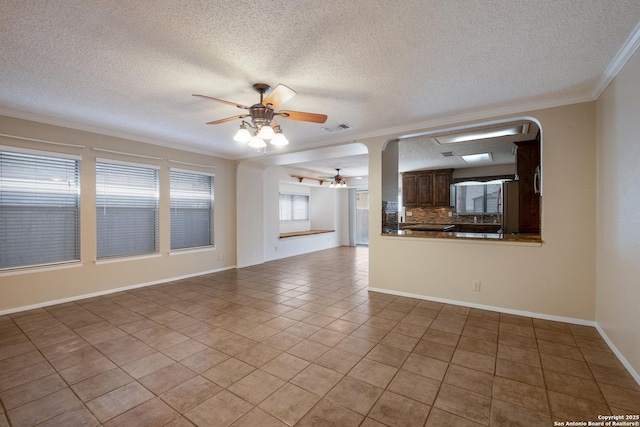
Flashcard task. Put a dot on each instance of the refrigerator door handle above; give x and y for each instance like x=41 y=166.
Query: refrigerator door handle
x=536 y=181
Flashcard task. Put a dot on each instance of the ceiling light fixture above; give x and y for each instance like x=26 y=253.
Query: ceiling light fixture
x=482 y=134
x=339 y=181
x=263 y=127
x=258 y=136
x=477 y=158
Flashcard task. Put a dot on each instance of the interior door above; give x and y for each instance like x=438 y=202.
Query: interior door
x=362 y=218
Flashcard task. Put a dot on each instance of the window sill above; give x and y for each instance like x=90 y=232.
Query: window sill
x=125 y=258
x=191 y=250
x=304 y=233
x=40 y=268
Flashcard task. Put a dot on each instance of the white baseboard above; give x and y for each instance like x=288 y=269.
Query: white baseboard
x=615 y=350
x=572 y=320
x=489 y=307
x=108 y=291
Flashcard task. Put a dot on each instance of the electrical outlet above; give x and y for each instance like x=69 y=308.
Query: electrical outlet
x=220 y=257
x=409 y=213
x=476 y=286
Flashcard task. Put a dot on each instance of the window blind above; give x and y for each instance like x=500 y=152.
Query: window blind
x=39 y=209
x=126 y=209
x=294 y=207
x=192 y=210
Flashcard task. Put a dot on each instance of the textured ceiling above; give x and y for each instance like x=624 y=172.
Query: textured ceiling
x=128 y=68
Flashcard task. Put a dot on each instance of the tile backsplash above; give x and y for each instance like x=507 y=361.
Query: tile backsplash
x=430 y=215
x=440 y=215
x=389 y=216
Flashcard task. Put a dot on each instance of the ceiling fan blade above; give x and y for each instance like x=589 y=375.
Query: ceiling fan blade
x=279 y=96
x=305 y=117
x=228 y=119
x=234 y=104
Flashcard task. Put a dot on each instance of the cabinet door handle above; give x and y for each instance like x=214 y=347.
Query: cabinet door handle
x=536 y=181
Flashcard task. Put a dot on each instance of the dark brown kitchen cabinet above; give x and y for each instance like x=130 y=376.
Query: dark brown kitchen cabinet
x=442 y=187
x=409 y=194
x=426 y=188
x=528 y=170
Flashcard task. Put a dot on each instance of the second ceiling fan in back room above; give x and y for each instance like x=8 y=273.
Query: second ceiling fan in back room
x=337 y=181
x=263 y=126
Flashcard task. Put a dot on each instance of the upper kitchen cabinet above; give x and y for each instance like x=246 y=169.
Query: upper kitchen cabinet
x=409 y=191
x=426 y=188
x=442 y=187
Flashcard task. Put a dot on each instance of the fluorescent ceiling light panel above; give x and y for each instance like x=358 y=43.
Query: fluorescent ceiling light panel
x=469 y=183
x=477 y=158
x=481 y=134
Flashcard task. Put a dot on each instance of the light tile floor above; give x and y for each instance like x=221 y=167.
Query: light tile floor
x=299 y=341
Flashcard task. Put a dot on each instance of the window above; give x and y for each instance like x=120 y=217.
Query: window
x=39 y=209
x=126 y=209
x=478 y=198
x=294 y=207
x=191 y=209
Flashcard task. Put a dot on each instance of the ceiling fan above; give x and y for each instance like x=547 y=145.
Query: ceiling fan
x=337 y=181
x=263 y=125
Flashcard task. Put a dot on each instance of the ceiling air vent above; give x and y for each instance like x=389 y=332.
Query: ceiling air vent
x=447 y=154
x=336 y=128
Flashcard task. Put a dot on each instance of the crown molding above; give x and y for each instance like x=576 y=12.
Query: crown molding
x=629 y=47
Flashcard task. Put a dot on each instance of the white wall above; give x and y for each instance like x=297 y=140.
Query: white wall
x=39 y=286
x=555 y=278
x=485 y=171
x=259 y=221
x=250 y=210
x=618 y=207
x=322 y=209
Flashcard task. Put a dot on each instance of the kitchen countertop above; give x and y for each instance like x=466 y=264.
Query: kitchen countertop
x=531 y=238
x=427 y=227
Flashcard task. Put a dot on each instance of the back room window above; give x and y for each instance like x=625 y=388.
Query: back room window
x=294 y=207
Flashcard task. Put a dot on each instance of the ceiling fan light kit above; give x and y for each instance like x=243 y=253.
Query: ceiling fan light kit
x=243 y=135
x=257 y=142
x=338 y=181
x=279 y=139
x=263 y=126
